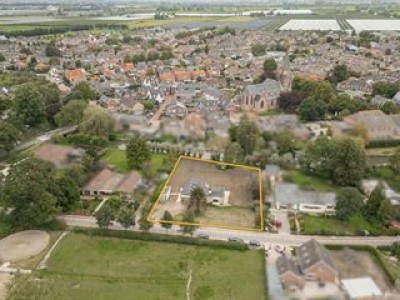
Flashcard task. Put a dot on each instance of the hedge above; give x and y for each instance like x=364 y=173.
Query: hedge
x=382 y=144
x=371 y=250
x=144 y=236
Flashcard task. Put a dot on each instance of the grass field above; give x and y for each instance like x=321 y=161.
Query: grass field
x=85 y=267
x=309 y=182
x=117 y=158
x=330 y=225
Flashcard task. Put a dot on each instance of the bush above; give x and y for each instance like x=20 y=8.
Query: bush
x=142 y=236
x=383 y=144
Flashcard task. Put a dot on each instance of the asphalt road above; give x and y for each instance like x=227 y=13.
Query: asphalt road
x=222 y=234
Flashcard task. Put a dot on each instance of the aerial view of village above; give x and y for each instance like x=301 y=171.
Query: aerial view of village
x=199 y=150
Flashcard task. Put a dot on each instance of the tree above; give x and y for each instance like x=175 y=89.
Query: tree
x=187 y=220
x=349 y=202
x=2 y=57
x=317 y=159
x=30 y=105
x=258 y=49
x=247 y=134
x=145 y=224
x=97 y=121
x=234 y=153
x=81 y=91
x=291 y=100
x=385 y=88
x=137 y=153
x=51 y=95
x=197 y=199
x=71 y=113
x=52 y=51
x=373 y=203
x=69 y=193
x=339 y=74
x=104 y=216
x=167 y=217
x=31 y=189
x=390 y=108
x=270 y=64
x=348 y=162
x=386 y=212
x=9 y=136
x=394 y=161
x=286 y=142
x=312 y=110
x=126 y=217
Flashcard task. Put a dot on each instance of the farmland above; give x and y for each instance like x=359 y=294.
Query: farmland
x=85 y=267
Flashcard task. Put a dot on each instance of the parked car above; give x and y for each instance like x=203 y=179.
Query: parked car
x=254 y=243
x=203 y=236
x=235 y=239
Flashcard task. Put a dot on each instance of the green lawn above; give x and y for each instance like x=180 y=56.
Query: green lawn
x=330 y=225
x=117 y=158
x=84 y=267
x=309 y=182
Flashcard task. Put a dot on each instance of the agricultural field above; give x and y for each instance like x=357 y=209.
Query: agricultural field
x=238 y=181
x=84 y=267
x=374 y=25
x=322 y=25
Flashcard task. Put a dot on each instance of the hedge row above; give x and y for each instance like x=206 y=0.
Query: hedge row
x=371 y=250
x=383 y=144
x=144 y=236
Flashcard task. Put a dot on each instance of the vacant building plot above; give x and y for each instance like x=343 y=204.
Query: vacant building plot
x=314 y=25
x=84 y=267
x=232 y=194
x=348 y=262
x=375 y=25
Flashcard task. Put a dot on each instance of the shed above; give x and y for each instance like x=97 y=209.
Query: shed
x=361 y=288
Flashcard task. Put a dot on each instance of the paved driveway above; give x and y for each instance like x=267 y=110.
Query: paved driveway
x=281 y=215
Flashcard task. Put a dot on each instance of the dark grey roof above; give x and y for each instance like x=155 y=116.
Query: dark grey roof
x=268 y=86
x=290 y=194
x=193 y=183
x=217 y=191
x=311 y=253
x=286 y=264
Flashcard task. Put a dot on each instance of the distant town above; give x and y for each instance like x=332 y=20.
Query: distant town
x=199 y=150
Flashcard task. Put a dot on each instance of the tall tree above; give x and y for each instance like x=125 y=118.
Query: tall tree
x=104 y=216
x=126 y=217
x=373 y=203
x=349 y=202
x=247 y=135
x=31 y=190
x=71 y=113
x=82 y=91
x=188 y=219
x=97 y=121
x=197 y=200
x=234 y=153
x=291 y=100
x=394 y=161
x=348 y=162
x=69 y=193
x=137 y=153
x=30 y=105
x=312 y=110
x=286 y=142
x=167 y=217
x=51 y=96
x=270 y=64
x=386 y=212
x=9 y=136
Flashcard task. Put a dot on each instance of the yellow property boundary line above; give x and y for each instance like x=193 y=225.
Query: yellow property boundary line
x=204 y=224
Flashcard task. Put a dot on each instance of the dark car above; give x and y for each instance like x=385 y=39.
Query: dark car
x=235 y=239
x=254 y=243
x=203 y=236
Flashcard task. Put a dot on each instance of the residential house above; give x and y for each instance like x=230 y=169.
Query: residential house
x=108 y=181
x=75 y=76
x=261 y=97
x=355 y=85
x=311 y=263
x=290 y=196
x=215 y=195
x=177 y=110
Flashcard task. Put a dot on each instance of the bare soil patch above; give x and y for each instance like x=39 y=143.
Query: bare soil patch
x=23 y=245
